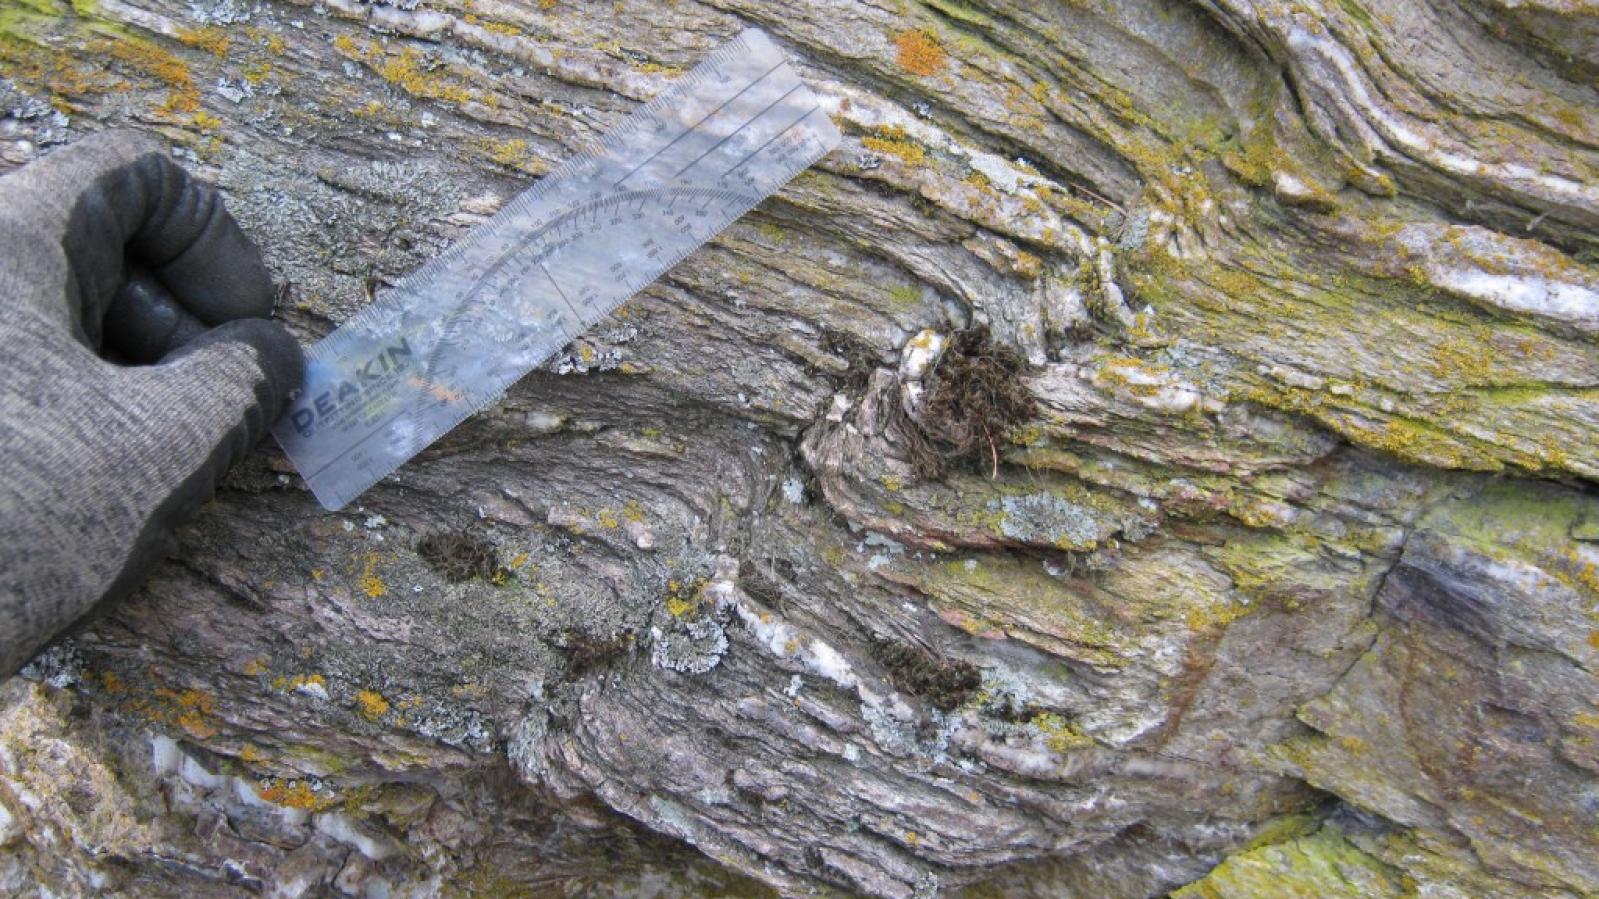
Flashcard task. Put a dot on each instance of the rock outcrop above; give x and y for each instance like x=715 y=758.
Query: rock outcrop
x=1287 y=582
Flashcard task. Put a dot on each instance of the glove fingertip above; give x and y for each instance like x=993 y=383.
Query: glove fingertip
x=277 y=354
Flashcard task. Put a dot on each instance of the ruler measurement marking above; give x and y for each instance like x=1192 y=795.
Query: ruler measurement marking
x=690 y=129
x=762 y=148
x=752 y=120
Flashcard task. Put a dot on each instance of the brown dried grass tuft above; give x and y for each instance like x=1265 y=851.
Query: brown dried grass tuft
x=974 y=395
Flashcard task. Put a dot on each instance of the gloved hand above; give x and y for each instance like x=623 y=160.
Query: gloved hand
x=110 y=253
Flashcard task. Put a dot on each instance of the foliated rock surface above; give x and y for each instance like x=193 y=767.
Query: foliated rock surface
x=1288 y=587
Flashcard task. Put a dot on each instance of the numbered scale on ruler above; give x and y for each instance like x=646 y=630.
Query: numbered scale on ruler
x=454 y=335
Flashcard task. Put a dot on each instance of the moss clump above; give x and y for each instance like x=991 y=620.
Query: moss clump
x=585 y=651
x=974 y=396
x=945 y=684
x=459 y=557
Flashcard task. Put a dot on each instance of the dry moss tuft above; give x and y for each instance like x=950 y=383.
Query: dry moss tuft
x=461 y=556
x=586 y=652
x=974 y=395
x=911 y=669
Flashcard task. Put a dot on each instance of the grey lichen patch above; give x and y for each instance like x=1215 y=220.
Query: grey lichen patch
x=58 y=666
x=338 y=228
x=688 y=646
x=1044 y=518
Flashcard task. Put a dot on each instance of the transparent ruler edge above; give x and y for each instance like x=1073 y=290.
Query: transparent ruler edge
x=421 y=278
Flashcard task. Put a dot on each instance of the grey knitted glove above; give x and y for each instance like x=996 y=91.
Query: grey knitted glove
x=110 y=253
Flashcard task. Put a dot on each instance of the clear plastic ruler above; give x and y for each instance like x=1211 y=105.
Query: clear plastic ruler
x=457 y=333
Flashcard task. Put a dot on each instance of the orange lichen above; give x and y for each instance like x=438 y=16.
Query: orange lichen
x=195 y=725
x=197 y=700
x=212 y=40
x=47 y=70
x=918 y=53
x=295 y=794
x=193 y=707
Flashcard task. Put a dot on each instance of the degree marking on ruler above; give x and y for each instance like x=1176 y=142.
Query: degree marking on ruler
x=559 y=292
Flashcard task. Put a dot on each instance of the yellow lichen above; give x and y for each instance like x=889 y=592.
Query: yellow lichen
x=408 y=70
x=511 y=153
x=905 y=296
x=892 y=140
x=372 y=704
x=371 y=584
x=284 y=683
x=150 y=59
x=1060 y=735
x=655 y=68
x=684 y=600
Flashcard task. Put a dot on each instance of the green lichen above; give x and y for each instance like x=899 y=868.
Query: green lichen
x=1060 y=735
x=1323 y=865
